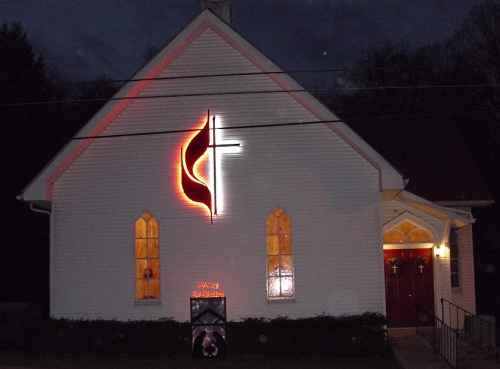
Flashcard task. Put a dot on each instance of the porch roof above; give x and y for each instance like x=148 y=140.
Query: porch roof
x=459 y=218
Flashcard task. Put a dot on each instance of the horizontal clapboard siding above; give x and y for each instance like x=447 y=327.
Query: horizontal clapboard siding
x=465 y=296
x=330 y=192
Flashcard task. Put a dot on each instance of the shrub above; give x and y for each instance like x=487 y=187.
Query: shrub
x=324 y=335
x=345 y=336
x=110 y=336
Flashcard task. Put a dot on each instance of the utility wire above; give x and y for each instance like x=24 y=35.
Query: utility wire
x=251 y=126
x=298 y=71
x=238 y=93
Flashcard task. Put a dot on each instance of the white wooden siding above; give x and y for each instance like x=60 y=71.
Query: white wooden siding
x=465 y=296
x=330 y=192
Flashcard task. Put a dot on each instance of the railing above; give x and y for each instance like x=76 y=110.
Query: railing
x=475 y=330
x=443 y=339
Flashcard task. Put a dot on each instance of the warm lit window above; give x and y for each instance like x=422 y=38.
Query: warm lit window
x=147 y=258
x=454 y=260
x=406 y=232
x=279 y=256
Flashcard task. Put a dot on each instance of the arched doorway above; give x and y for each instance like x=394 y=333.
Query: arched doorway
x=408 y=268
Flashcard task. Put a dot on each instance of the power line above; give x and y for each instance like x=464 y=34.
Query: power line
x=197 y=94
x=298 y=71
x=14 y=1
x=251 y=126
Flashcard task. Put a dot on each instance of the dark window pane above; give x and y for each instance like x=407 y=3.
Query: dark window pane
x=453 y=237
x=453 y=251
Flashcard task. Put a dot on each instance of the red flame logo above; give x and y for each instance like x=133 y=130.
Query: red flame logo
x=193 y=187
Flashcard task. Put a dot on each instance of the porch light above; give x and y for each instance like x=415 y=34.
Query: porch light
x=438 y=250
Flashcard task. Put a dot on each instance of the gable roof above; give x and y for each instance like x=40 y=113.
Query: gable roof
x=39 y=191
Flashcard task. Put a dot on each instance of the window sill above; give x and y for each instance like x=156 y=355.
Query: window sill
x=148 y=302
x=281 y=300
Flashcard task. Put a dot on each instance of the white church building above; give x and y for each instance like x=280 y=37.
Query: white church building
x=214 y=173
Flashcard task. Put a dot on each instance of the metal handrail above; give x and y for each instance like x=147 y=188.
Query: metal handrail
x=477 y=331
x=443 y=339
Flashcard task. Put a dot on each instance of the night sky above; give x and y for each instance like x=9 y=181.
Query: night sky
x=85 y=39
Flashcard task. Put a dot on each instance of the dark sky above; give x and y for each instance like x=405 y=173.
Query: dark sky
x=87 y=38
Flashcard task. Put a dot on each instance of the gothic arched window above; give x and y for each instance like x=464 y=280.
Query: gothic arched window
x=406 y=232
x=147 y=258
x=280 y=283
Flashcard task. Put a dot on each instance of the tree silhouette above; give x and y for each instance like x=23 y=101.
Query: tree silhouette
x=23 y=245
x=32 y=131
x=417 y=106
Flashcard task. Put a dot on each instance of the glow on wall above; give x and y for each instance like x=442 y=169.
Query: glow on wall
x=192 y=184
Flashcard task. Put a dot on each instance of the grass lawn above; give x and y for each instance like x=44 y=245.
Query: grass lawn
x=144 y=361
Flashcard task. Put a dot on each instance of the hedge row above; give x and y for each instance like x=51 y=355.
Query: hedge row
x=112 y=336
x=345 y=336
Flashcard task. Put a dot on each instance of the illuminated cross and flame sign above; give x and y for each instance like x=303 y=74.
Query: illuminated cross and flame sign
x=195 y=189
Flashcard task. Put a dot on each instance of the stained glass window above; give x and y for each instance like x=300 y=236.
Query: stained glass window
x=394 y=236
x=406 y=232
x=279 y=256
x=147 y=257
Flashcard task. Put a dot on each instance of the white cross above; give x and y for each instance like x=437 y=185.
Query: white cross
x=421 y=267
x=214 y=146
x=394 y=267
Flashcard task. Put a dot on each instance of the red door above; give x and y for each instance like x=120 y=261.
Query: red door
x=410 y=278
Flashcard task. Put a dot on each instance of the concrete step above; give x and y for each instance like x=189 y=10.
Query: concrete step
x=472 y=357
x=412 y=351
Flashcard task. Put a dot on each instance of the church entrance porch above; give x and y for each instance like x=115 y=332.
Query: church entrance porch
x=408 y=277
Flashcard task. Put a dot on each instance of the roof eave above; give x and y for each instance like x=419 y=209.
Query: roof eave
x=460 y=218
x=466 y=203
